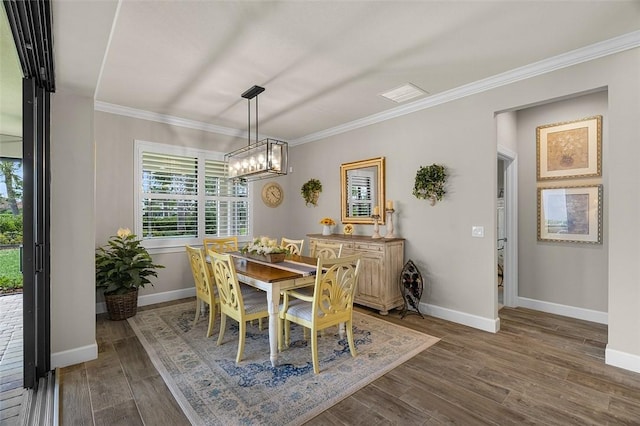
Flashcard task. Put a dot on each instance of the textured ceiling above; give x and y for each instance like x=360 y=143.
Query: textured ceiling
x=323 y=63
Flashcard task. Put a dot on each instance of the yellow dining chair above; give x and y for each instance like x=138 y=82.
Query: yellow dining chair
x=330 y=305
x=221 y=245
x=233 y=303
x=224 y=245
x=204 y=286
x=294 y=246
x=326 y=250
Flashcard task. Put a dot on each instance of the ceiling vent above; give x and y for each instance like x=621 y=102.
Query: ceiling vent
x=403 y=93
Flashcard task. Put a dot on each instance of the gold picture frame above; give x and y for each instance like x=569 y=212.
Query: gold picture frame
x=570 y=214
x=569 y=150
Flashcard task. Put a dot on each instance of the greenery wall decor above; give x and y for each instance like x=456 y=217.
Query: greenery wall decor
x=311 y=191
x=430 y=183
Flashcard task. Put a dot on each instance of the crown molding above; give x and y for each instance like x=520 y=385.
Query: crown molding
x=574 y=57
x=167 y=119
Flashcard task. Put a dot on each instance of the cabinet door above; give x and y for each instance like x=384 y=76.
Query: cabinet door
x=371 y=277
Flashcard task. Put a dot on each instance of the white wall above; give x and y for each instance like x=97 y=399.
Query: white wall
x=73 y=337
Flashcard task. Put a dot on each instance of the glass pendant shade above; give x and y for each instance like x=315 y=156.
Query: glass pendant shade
x=260 y=160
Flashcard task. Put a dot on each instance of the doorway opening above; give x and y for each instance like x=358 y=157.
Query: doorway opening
x=507 y=231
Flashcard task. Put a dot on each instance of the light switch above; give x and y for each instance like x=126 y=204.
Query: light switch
x=477 y=231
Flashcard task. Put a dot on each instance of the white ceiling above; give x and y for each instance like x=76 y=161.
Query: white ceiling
x=323 y=63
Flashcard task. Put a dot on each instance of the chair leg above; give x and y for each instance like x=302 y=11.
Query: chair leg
x=314 y=351
x=260 y=324
x=241 y=332
x=352 y=346
x=287 y=333
x=223 y=326
x=195 y=320
x=212 y=319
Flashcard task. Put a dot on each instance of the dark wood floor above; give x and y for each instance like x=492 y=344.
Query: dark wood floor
x=539 y=369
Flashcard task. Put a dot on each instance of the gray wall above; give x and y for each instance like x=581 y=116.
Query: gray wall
x=115 y=136
x=571 y=274
x=72 y=229
x=462 y=134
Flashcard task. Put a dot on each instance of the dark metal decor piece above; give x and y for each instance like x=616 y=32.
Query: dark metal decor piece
x=411 y=286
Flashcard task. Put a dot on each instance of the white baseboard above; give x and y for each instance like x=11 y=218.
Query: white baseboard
x=622 y=359
x=151 y=299
x=74 y=356
x=481 y=323
x=564 y=310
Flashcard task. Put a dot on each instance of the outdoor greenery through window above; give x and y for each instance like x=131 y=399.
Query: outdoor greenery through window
x=10 y=224
x=185 y=195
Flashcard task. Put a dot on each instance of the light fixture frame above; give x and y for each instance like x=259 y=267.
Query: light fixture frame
x=245 y=163
x=261 y=160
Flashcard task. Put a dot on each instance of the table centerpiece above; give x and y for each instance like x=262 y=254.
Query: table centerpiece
x=264 y=249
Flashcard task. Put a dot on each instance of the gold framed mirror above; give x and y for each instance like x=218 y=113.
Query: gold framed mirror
x=362 y=191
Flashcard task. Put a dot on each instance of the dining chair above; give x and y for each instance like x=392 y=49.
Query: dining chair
x=224 y=245
x=326 y=250
x=221 y=245
x=204 y=287
x=294 y=246
x=235 y=304
x=330 y=305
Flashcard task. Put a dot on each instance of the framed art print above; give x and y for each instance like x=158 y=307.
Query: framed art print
x=570 y=214
x=570 y=150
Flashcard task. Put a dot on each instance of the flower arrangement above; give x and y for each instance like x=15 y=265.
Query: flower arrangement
x=327 y=221
x=262 y=246
x=123 y=264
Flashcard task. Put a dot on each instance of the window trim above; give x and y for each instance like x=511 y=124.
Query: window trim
x=176 y=244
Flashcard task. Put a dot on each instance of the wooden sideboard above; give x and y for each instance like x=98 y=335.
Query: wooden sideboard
x=380 y=267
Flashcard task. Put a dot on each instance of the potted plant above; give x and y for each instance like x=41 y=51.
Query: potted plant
x=311 y=191
x=430 y=183
x=122 y=266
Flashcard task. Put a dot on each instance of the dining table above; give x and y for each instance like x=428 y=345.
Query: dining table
x=294 y=272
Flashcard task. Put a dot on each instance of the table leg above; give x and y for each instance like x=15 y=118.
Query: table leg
x=273 y=303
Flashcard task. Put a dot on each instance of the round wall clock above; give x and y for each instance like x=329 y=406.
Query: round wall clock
x=272 y=194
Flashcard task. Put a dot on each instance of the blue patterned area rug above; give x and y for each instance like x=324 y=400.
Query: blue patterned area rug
x=213 y=390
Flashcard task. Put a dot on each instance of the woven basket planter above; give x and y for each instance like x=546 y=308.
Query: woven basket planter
x=122 y=306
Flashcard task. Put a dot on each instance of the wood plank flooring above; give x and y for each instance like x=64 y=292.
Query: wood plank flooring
x=539 y=369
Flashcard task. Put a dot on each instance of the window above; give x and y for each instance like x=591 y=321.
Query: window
x=183 y=195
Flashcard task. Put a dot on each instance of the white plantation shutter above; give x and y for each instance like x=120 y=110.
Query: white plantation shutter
x=360 y=194
x=227 y=203
x=184 y=195
x=169 y=196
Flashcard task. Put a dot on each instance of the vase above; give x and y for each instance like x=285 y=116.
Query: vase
x=326 y=230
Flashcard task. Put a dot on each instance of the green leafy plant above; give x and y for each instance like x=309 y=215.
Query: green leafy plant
x=310 y=191
x=123 y=264
x=430 y=183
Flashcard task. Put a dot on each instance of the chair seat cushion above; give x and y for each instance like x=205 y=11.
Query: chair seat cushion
x=254 y=301
x=300 y=309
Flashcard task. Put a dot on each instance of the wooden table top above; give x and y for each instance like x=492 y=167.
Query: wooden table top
x=266 y=273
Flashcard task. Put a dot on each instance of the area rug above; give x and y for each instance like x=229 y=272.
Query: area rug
x=212 y=390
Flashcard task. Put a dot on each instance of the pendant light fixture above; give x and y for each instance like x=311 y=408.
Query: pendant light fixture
x=261 y=159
